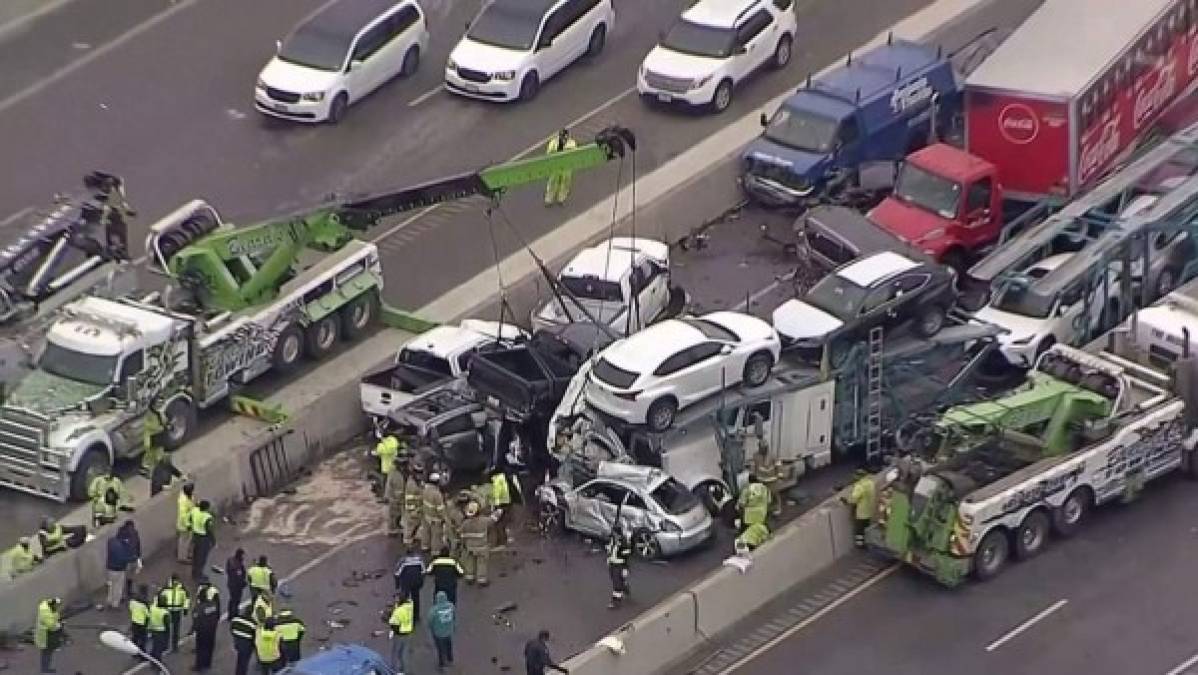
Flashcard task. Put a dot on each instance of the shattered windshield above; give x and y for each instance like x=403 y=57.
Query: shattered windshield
x=72 y=365
x=802 y=130
x=674 y=498
x=928 y=191
x=837 y=296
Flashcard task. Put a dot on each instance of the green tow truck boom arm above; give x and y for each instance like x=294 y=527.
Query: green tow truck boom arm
x=231 y=268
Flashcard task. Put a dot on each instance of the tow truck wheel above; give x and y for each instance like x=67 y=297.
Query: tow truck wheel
x=321 y=337
x=661 y=414
x=357 y=315
x=180 y=421
x=288 y=349
x=94 y=463
x=1031 y=535
x=1067 y=519
x=992 y=555
x=645 y=545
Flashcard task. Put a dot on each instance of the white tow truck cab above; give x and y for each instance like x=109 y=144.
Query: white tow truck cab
x=429 y=360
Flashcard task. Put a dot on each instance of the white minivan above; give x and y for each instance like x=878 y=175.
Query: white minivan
x=338 y=56
x=513 y=46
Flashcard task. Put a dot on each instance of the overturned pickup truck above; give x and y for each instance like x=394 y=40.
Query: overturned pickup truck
x=430 y=360
x=529 y=379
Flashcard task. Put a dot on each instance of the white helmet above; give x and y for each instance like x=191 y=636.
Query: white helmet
x=434 y=477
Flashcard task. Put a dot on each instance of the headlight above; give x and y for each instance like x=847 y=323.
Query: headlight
x=505 y=75
x=261 y=83
x=315 y=96
x=699 y=82
x=450 y=65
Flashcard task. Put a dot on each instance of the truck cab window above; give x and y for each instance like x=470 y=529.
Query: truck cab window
x=132 y=365
x=849 y=132
x=978 y=197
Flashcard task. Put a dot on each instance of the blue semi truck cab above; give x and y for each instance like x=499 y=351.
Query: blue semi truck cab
x=878 y=106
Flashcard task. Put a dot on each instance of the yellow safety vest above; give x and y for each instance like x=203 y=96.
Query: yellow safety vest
x=267 y=645
x=756 y=503
x=157 y=618
x=48 y=621
x=259 y=577
x=262 y=609
x=552 y=147
x=290 y=628
x=183 y=515
x=386 y=450
x=139 y=613
x=500 y=496
x=20 y=559
x=862 y=497
x=55 y=540
x=175 y=598
x=201 y=523
x=402 y=618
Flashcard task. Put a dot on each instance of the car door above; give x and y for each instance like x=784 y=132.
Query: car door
x=909 y=296
x=876 y=310
x=366 y=71
x=655 y=291
x=754 y=40
x=576 y=35
x=705 y=374
x=594 y=509
x=403 y=27
x=976 y=214
x=553 y=53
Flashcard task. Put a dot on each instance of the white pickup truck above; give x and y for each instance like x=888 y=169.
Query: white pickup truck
x=429 y=360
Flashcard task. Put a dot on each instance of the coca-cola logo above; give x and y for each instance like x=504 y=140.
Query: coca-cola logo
x=1018 y=124
x=1104 y=146
x=1153 y=98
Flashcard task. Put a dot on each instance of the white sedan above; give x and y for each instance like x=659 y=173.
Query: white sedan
x=648 y=377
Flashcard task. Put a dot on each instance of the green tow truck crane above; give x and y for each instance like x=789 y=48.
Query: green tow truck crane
x=239 y=302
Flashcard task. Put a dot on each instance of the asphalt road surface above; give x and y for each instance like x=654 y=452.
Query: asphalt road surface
x=1115 y=600
x=160 y=92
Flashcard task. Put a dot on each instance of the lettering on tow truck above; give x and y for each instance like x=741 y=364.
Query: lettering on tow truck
x=243 y=346
x=1147 y=453
x=916 y=92
x=1039 y=491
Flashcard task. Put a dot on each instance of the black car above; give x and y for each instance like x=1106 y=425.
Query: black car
x=831 y=236
x=883 y=289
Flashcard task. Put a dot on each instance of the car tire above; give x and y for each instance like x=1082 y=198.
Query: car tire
x=530 y=86
x=179 y=418
x=357 y=315
x=1166 y=282
x=95 y=462
x=338 y=108
x=411 y=62
x=930 y=321
x=721 y=100
x=1067 y=518
x=661 y=413
x=757 y=369
x=645 y=545
x=598 y=41
x=289 y=348
x=992 y=555
x=782 y=52
x=320 y=338
x=1032 y=535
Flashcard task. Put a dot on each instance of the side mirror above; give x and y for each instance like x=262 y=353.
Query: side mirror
x=726 y=350
x=739 y=50
x=765 y=121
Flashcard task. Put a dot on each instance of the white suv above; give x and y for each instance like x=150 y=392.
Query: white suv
x=338 y=56
x=513 y=46
x=713 y=47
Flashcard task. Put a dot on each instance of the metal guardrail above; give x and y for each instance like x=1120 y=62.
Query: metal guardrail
x=270 y=468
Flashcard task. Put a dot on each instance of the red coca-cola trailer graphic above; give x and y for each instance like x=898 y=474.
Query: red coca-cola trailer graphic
x=1068 y=93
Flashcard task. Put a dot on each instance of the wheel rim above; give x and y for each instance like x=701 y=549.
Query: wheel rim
x=1072 y=510
x=1032 y=538
x=992 y=556
x=783 y=55
x=931 y=323
x=326 y=334
x=662 y=417
x=758 y=371
x=723 y=97
x=291 y=348
x=646 y=545
x=359 y=316
x=175 y=428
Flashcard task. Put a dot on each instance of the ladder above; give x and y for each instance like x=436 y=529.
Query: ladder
x=873 y=399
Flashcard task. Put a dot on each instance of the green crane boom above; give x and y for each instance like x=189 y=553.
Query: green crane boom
x=231 y=268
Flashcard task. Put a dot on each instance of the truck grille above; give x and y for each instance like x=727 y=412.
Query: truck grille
x=675 y=85
x=284 y=96
x=777 y=173
x=22 y=435
x=473 y=75
x=22 y=441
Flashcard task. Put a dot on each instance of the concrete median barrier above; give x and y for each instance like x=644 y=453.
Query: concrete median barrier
x=239 y=460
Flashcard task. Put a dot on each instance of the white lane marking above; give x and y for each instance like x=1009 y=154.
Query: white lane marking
x=426 y=96
x=16 y=216
x=94 y=54
x=424 y=212
x=811 y=619
x=298 y=572
x=1026 y=625
x=17 y=23
x=1184 y=666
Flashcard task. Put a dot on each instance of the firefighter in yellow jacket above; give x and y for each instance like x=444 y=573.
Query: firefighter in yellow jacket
x=558 y=187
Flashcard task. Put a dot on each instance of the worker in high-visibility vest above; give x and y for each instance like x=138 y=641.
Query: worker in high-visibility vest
x=47 y=631
x=261 y=578
x=263 y=607
x=401 y=623
x=174 y=598
x=764 y=464
x=21 y=558
x=108 y=495
x=244 y=630
x=291 y=635
x=139 y=617
x=558 y=187
x=501 y=501
x=267 y=644
x=753 y=536
x=863 y=498
x=203 y=538
x=52 y=537
x=152 y=450
x=754 y=503
x=159 y=626
x=184 y=504
x=386 y=450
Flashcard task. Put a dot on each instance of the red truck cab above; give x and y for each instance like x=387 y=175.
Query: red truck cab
x=945 y=201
